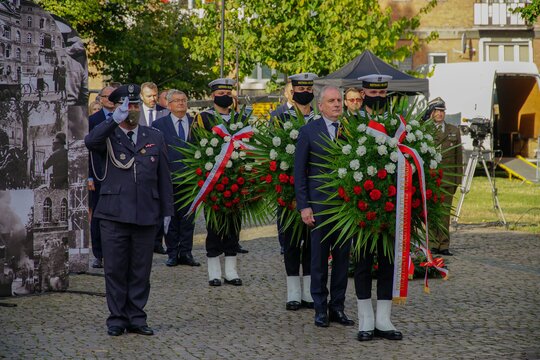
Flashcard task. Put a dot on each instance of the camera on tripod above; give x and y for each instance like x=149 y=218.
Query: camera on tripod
x=478 y=129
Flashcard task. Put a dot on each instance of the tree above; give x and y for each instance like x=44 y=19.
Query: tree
x=136 y=41
x=529 y=12
x=318 y=36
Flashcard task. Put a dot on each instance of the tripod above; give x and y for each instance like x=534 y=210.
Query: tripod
x=477 y=153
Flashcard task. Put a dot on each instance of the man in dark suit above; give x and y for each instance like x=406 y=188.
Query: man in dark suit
x=448 y=138
x=307 y=165
x=175 y=128
x=95 y=173
x=136 y=194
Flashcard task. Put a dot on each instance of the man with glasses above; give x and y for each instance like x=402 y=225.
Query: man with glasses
x=353 y=100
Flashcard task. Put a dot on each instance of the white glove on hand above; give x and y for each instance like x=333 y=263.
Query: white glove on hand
x=166 y=222
x=121 y=112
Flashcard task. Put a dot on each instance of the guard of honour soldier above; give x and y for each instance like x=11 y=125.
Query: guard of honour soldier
x=136 y=162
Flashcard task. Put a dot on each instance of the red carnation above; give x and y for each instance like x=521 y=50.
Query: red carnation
x=415 y=203
x=413 y=189
x=215 y=207
x=341 y=192
x=279 y=189
x=281 y=202
x=362 y=224
x=236 y=200
x=234 y=188
x=220 y=187
x=432 y=173
x=429 y=194
x=291 y=180
x=362 y=205
x=200 y=183
x=381 y=174
x=240 y=180
x=392 y=190
x=375 y=195
x=435 y=198
x=273 y=166
x=206 y=175
x=199 y=171
x=224 y=180
x=227 y=194
x=368 y=185
x=213 y=198
x=438 y=182
x=440 y=173
x=357 y=189
x=228 y=204
x=389 y=206
x=283 y=178
x=263 y=178
x=346 y=198
x=371 y=215
x=268 y=179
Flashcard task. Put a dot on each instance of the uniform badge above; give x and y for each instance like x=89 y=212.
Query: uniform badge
x=152 y=159
x=122 y=156
x=143 y=151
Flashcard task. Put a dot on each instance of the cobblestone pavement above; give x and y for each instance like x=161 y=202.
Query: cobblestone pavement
x=488 y=309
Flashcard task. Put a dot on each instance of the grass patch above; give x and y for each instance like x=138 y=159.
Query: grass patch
x=520 y=204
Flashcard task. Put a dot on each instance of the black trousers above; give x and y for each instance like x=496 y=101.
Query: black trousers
x=296 y=253
x=385 y=274
x=95 y=232
x=127 y=253
x=179 y=238
x=221 y=243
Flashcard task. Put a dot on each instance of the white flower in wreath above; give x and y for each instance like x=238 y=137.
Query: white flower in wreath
x=214 y=142
x=414 y=123
x=346 y=149
x=424 y=148
x=358 y=176
x=428 y=137
x=419 y=134
x=371 y=170
x=283 y=165
x=239 y=125
x=273 y=154
x=287 y=125
x=208 y=166
x=234 y=155
x=362 y=140
x=203 y=142
x=392 y=142
x=197 y=154
x=290 y=149
x=390 y=168
x=382 y=150
x=394 y=156
x=236 y=145
x=342 y=172
x=361 y=128
x=227 y=138
x=354 y=164
x=242 y=154
x=229 y=164
x=393 y=122
x=432 y=150
x=408 y=128
x=248 y=167
x=361 y=151
x=380 y=139
x=233 y=127
x=433 y=164
x=294 y=134
x=410 y=137
x=438 y=157
x=209 y=151
x=276 y=141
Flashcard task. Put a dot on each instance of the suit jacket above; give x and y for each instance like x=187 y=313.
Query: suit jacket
x=309 y=148
x=167 y=128
x=280 y=110
x=142 y=194
x=157 y=115
x=452 y=160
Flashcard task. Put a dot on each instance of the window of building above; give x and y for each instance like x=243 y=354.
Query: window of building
x=42 y=40
x=18 y=54
x=7 y=32
x=28 y=56
x=47 y=210
x=8 y=51
x=515 y=51
x=28 y=38
x=63 y=210
x=2 y=50
x=29 y=21
x=41 y=23
x=437 y=58
x=18 y=36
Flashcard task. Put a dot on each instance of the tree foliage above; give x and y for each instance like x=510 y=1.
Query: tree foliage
x=293 y=36
x=529 y=12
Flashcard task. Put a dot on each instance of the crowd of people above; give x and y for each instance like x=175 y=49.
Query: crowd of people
x=134 y=204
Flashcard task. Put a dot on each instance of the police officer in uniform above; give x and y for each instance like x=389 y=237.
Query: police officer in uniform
x=218 y=243
x=447 y=137
x=374 y=105
x=136 y=193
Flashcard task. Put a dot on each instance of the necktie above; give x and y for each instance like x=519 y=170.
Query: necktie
x=130 y=136
x=109 y=116
x=181 y=132
x=335 y=125
x=150 y=117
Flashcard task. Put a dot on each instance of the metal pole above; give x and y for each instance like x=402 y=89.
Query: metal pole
x=222 y=38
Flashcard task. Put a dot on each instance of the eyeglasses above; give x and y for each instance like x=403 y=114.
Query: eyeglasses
x=178 y=100
x=354 y=100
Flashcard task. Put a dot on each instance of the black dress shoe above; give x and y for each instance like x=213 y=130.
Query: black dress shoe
x=340 y=317
x=141 y=330
x=214 y=282
x=434 y=251
x=97 y=263
x=187 y=260
x=171 y=262
x=159 y=250
x=292 y=305
x=390 y=334
x=235 y=282
x=308 y=304
x=241 y=250
x=365 y=335
x=321 y=320
x=115 y=330
x=446 y=252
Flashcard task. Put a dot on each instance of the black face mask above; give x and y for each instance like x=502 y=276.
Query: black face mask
x=376 y=102
x=303 y=98
x=133 y=118
x=223 y=101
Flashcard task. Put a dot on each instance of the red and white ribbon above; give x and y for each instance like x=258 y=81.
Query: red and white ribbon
x=224 y=155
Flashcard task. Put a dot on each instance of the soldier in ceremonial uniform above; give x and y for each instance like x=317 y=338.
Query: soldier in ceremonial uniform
x=449 y=140
x=218 y=243
x=136 y=194
x=375 y=103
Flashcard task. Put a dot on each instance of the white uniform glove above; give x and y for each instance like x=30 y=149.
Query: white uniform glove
x=166 y=222
x=121 y=112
